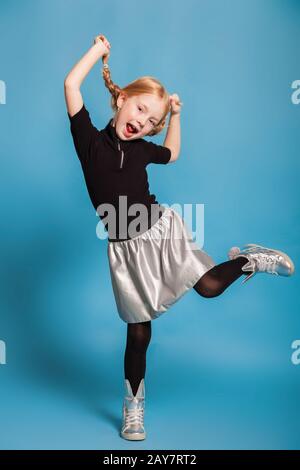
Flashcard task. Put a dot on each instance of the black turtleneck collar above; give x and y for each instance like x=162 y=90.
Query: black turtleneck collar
x=113 y=137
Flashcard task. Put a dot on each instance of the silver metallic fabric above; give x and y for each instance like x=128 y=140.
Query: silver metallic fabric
x=153 y=270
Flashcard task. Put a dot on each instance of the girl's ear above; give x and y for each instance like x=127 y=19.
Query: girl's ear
x=121 y=99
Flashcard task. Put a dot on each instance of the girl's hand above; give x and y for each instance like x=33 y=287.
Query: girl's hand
x=105 y=42
x=175 y=104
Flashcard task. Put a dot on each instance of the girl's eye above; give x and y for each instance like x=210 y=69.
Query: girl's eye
x=152 y=123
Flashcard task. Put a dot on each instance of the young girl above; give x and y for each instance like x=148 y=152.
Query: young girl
x=151 y=268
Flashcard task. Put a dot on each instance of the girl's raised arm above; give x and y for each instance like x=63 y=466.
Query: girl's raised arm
x=80 y=70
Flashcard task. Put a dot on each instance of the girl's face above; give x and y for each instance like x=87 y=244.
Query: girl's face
x=141 y=111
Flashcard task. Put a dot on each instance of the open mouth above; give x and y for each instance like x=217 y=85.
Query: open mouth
x=131 y=129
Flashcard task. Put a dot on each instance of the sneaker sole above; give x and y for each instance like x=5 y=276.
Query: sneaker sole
x=285 y=256
x=133 y=437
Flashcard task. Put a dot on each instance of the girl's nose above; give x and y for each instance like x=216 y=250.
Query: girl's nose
x=142 y=122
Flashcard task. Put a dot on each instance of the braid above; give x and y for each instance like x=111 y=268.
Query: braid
x=112 y=87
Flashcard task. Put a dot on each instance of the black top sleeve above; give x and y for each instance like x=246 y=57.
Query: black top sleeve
x=156 y=153
x=84 y=133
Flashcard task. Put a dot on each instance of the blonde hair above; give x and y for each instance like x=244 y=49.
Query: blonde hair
x=146 y=84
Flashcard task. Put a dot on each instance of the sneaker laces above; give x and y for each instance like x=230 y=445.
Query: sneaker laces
x=266 y=262
x=134 y=415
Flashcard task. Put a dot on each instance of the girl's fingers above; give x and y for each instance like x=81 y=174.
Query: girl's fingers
x=175 y=99
x=106 y=42
x=103 y=40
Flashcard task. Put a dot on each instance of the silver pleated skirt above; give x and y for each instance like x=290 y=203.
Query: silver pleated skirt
x=153 y=270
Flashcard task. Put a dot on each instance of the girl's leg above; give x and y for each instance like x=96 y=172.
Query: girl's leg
x=218 y=278
x=138 y=339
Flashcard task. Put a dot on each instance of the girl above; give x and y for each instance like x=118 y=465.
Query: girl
x=150 y=268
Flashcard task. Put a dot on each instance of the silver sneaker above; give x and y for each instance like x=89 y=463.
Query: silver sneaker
x=133 y=412
x=262 y=259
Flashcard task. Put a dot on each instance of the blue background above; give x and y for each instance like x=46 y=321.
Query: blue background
x=219 y=371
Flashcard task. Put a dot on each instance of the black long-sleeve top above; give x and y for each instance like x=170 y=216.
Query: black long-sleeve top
x=113 y=167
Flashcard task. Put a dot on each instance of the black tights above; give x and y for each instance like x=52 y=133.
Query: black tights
x=211 y=284
x=138 y=339
x=218 y=278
